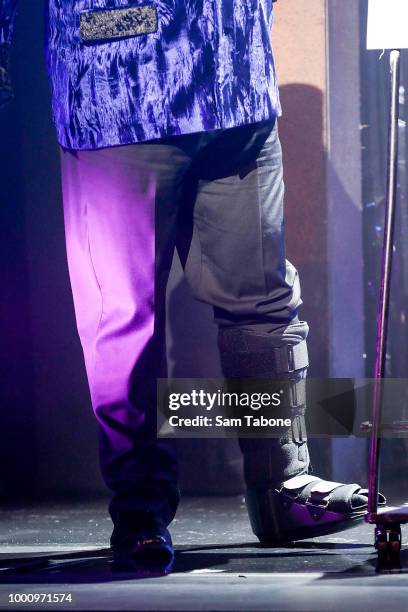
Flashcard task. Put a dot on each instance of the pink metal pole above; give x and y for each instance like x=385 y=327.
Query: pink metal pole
x=386 y=269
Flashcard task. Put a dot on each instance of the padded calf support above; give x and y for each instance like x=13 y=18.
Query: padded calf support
x=247 y=355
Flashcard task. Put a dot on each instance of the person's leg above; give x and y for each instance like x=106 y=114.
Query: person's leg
x=119 y=264
x=234 y=258
x=232 y=242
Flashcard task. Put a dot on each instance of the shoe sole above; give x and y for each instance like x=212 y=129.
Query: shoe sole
x=310 y=532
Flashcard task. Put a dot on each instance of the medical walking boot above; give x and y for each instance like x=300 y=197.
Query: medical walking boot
x=284 y=500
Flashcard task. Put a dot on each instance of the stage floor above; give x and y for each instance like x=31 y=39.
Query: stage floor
x=62 y=548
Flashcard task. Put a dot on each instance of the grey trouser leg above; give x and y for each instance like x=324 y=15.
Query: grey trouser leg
x=233 y=250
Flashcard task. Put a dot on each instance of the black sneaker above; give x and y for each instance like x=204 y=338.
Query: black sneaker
x=147 y=551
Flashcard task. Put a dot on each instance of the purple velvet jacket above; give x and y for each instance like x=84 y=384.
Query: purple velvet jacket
x=125 y=71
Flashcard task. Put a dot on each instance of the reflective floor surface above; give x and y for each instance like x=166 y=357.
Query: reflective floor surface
x=62 y=548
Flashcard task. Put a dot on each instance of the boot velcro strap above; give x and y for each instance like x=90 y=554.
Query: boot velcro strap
x=257 y=348
x=298 y=432
x=322 y=493
x=299 y=487
x=296 y=392
x=298 y=482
